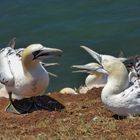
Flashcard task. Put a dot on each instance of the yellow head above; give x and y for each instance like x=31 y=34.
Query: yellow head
x=32 y=55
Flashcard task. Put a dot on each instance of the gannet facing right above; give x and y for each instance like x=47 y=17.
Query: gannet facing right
x=26 y=77
x=117 y=96
x=12 y=43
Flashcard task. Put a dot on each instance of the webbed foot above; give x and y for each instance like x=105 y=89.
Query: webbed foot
x=18 y=106
x=13 y=109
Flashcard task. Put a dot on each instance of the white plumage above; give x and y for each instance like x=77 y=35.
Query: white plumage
x=23 y=75
x=94 y=78
x=117 y=96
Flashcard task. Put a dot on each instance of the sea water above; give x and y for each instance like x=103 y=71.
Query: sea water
x=106 y=26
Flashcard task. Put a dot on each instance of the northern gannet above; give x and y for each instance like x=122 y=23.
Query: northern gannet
x=117 y=96
x=3 y=91
x=25 y=77
x=94 y=79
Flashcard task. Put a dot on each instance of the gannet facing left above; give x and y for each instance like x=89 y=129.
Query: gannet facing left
x=117 y=96
x=94 y=79
x=25 y=77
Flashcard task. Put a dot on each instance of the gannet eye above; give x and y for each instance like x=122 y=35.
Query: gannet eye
x=35 y=54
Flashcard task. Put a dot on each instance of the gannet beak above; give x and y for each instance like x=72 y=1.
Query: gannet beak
x=46 y=52
x=49 y=64
x=102 y=70
x=52 y=74
x=80 y=71
x=87 y=68
x=82 y=68
x=95 y=55
x=122 y=59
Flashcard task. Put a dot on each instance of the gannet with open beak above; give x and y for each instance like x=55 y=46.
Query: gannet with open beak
x=25 y=77
x=12 y=43
x=117 y=96
x=94 y=79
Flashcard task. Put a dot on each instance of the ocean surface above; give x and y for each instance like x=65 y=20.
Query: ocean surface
x=107 y=26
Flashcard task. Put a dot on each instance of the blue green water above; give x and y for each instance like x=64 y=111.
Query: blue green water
x=107 y=26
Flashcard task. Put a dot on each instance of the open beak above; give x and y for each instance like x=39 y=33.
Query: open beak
x=49 y=64
x=95 y=55
x=89 y=68
x=46 y=52
x=52 y=74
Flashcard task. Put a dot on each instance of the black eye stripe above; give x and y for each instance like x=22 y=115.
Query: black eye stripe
x=36 y=52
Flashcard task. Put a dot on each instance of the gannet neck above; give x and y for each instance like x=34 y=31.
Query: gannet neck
x=118 y=79
x=97 y=75
x=27 y=60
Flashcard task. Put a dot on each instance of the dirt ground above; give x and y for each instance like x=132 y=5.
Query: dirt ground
x=68 y=117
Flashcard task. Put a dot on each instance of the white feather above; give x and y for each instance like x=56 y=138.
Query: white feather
x=117 y=95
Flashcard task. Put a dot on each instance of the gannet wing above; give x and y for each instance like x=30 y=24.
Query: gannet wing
x=137 y=65
x=19 y=52
x=6 y=76
x=12 y=43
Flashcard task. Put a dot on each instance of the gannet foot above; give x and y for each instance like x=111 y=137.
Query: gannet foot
x=12 y=109
x=18 y=106
x=26 y=105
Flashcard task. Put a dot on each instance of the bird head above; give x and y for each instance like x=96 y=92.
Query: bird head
x=34 y=53
x=111 y=65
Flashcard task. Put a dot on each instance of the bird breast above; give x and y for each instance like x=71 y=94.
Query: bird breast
x=32 y=83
